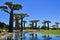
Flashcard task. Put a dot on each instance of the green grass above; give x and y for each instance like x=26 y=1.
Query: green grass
x=1 y=29
x=54 y=32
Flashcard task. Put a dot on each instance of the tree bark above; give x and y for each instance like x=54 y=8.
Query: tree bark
x=48 y=25
x=35 y=25
x=24 y=25
x=21 y=24
x=11 y=22
x=57 y=26
x=17 y=24
x=32 y=25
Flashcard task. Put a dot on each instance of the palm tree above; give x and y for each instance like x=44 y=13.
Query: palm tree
x=24 y=22
x=22 y=15
x=12 y=7
x=47 y=21
x=57 y=23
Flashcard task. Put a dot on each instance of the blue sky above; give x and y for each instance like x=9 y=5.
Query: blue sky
x=36 y=9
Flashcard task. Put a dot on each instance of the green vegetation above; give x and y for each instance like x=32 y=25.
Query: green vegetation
x=54 y=32
x=3 y=26
x=1 y=29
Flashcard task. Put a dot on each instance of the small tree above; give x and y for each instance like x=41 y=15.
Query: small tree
x=2 y=25
x=54 y=27
x=43 y=27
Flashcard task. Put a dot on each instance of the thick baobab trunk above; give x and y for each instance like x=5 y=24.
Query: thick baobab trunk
x=32 y=25
x=48 y=25
x=11 y=22
x=57 y=26
x=17 y=25
x=44 y=24
x=21 y=24
x=24 y=25
x=36 y=25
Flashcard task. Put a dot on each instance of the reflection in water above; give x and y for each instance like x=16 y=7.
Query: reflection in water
x=47 y=37
x=29 y=36
x=16 y=35
x=21 y=37
x=57 y=36
x=34 y=36
x=9 y=37
x=24 y=37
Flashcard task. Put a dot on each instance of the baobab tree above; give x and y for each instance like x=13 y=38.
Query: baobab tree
x=57 y=23
x=34 y=21
x=47 y=22
x=32 y=24
x=24 y=22
x=44 y=24
x=17 y=18
x=22 y=15
x=12 y=7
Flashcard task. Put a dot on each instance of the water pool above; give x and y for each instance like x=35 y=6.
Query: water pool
x=30 y=36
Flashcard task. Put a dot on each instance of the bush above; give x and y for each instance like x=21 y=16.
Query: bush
x=3 y=25
x=43 y=27
x=53 y=28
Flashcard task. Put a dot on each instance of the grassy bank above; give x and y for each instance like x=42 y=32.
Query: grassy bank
x=1 y=29
x=54 y=32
